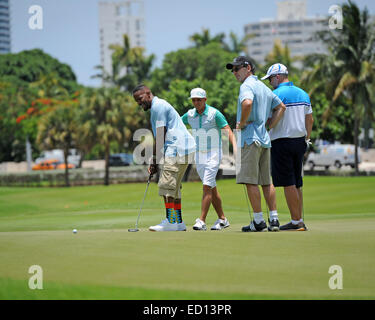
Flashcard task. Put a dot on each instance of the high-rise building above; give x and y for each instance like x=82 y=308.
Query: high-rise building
x=292 y=27
x=117 y=19
x=5 y=44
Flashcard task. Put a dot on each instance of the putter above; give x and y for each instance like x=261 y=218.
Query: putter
x=247 y=201
x=303 y=174
x=303 y=209
x=140 y=210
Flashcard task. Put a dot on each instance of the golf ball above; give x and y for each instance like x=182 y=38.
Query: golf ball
x=74 y=230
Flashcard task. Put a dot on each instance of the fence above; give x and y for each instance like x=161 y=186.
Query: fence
x=77 y=177
x=84 y=177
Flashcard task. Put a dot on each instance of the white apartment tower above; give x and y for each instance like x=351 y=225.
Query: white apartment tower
x=292 y=27
x=117 y=19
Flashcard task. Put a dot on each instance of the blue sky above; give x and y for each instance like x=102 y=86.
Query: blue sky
x=71 y=32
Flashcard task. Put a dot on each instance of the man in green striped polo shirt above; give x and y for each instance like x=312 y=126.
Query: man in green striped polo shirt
x=207 y=123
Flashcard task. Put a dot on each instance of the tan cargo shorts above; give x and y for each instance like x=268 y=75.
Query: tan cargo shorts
x=171 y=174
x=255 y=166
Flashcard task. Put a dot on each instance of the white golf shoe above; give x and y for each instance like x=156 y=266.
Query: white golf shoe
x=199 y=225
x=181 y=226
x=164 y=226
x=220 y=224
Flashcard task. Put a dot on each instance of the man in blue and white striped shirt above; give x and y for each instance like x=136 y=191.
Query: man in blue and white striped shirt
x=288 y=139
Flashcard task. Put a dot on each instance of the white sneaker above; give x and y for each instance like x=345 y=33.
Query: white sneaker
x=181 y=226
x=199 y=225
x=220 y=224
x=164 y=226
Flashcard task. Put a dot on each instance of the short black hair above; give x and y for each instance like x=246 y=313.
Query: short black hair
x=138 y=88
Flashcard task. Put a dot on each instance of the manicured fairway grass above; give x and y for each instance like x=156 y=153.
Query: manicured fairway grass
x=105 y=261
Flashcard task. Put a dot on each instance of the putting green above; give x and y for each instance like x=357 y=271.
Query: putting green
x=105 y=261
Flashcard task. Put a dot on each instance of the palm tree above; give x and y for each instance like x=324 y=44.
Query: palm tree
x=129 y=66
x=204 y=38
x=58 y=130
x=138 y=68
x=86 y=133
x=280 y=54
x=119 y=59
x=104 y=111
x=107 y=78
x=237 y=45
x=349 y=67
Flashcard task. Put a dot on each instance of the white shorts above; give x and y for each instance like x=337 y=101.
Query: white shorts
x=207 y=164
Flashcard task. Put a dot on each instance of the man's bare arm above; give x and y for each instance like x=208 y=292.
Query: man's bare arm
x=277 y=114
x=246 y=108
x=232 y=138
x=309 y=120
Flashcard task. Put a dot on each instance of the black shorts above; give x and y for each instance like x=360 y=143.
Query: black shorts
x=287 y=161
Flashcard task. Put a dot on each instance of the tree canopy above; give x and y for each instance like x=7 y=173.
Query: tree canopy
x=36 y=89
x=346 y=73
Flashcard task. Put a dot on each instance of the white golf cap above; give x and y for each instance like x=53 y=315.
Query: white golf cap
x=197 y=93
x=275 y=69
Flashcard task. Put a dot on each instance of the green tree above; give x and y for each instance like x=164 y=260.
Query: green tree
x=200 y=66
x=189 y=64
x=119 y=56
x=130 y=66
x=14 y=102
x=104 y=113
x=221 y=93
x=205 y=38
x=24 y=78
x=32 y=65
x=51 y=86
x=280 y=54
x=349 y=67
x=236 y=45
x=58 y=130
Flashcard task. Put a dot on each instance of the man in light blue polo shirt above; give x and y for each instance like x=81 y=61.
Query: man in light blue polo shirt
x=255 y=103
x=289 y=138
x=175 y=146
x=207 y=123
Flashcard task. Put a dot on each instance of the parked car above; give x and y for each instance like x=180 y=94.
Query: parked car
x=51 y=164
x=58 y=154
x=333 y=155
x=120 y=159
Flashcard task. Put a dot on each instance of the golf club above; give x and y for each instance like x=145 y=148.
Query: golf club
x=140 y=210
x=303 y=175
x=303 y=210
x=309 y=145
x=247 y=201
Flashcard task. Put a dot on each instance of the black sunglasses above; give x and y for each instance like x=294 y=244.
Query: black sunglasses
x=235 y=69
x=271 y=77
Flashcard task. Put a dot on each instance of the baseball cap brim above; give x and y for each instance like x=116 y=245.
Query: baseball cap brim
x=269 y=75
x=196 y=96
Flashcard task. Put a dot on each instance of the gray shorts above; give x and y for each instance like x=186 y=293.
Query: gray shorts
x=172 y=172
x=255 y=166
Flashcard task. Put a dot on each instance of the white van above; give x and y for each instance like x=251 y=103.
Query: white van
x=333 y=155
